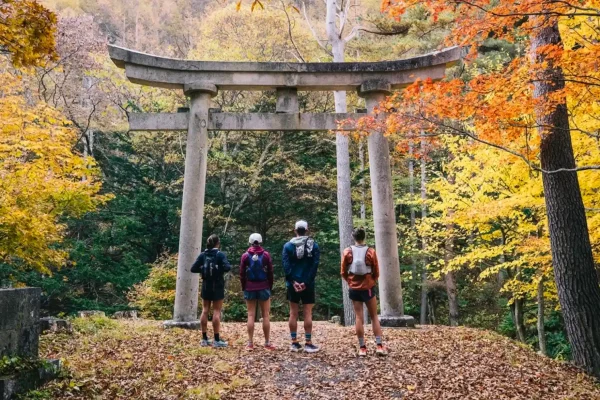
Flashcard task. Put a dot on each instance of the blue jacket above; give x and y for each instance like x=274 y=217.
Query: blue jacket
x=222 y=263
x=304 y=269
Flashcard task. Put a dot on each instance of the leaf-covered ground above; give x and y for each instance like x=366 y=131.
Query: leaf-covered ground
x=140 y=360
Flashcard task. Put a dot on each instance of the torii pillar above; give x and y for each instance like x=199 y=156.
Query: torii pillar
x=185 y=313
x=384 y=214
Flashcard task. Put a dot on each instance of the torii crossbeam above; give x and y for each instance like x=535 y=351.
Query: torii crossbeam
x=201 y=80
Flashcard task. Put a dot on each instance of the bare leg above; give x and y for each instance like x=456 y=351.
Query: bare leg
x=359 y=324
x=265 y=309
x=251 y=304
x=216 y=319
x=307 y=314
x=372 y=307
x=293 y=322
x=204 y=315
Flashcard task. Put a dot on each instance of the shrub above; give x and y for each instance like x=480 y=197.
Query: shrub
x=93 y=324
x=155 y=297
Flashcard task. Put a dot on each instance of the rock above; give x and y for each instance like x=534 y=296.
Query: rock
x=129 y=314
x=91 y=313
x=336 y=320
x=55 y=325
x=19 y=320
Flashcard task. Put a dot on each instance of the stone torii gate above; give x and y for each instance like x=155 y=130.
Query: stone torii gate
x=200 y=80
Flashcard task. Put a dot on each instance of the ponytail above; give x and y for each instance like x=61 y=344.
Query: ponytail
x=212 y=241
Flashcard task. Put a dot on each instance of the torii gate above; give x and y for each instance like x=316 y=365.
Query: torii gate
x=200 y=80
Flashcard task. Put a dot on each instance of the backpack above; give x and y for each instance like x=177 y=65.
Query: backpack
x=256 y=271
x=304 y=247
x=210 y=267
x=359 y=257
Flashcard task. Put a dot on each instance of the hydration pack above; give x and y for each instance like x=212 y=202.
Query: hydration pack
x=304 y=247
x=359 y=257
x=256 y=271
x=210 y=268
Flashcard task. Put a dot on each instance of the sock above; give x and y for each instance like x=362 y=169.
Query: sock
x=307 y=337
x=294 y=336
x=361 y=341
x=378 y=340
x=216 y=337
x=204 y=336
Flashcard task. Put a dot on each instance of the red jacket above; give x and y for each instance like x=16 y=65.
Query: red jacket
x=245 y=262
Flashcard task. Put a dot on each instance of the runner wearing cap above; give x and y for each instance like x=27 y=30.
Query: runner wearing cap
x=256 y=275
x=300 y=262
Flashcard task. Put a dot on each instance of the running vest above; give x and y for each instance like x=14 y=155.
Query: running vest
x=359 y=257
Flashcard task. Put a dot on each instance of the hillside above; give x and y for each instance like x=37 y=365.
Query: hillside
x=140 y=360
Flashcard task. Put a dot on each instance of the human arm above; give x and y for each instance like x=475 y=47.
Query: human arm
x=346 y=261
x=374 y=264
x=243 y=262
x=287 y=265
x=316 y=256
x=269 y=270
x=225 y=262
x=197 y=265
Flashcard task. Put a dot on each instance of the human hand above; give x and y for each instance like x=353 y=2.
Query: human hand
x=298 y=287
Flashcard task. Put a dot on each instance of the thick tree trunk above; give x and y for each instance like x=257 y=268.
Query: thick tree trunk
x=424 y=288
x=517 y=311
x=576 y=278
x=344 y=193
x=411 y=191
x=540 y=319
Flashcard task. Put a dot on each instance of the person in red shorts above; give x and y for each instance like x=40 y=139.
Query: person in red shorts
x=361 y=270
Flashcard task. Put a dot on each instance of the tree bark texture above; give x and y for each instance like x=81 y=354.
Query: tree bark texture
x=540 y=319
x=576 y=278
x=424 y=288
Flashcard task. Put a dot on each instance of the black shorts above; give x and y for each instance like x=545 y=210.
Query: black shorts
x=212 y=291
x=307 y=296
x=361 y=295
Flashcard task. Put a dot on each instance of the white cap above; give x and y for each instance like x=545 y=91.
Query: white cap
x=254 y=238
x=302 y=224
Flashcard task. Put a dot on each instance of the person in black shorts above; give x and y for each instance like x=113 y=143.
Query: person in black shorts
x=361 y=270
x=212 y=265
x=300 y=263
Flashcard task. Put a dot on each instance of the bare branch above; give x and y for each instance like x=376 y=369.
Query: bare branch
x=314 y=33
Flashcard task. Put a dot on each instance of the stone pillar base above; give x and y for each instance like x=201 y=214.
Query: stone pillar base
x=405 y=321
x=183 y=325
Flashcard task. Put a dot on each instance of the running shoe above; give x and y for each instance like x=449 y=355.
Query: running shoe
x=205 y=342
x=249 y=347
x=295 y=347
x=310 y=348
x=381 y=350
x=362 y=351
x=219 y=343
x=269 y=346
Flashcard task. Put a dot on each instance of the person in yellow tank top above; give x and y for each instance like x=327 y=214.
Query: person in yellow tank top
x=361 y=270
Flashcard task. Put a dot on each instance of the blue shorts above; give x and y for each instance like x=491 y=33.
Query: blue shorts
x=260 y=295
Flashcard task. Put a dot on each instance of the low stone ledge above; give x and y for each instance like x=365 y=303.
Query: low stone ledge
x=194 y=325
x=11 y=385
x=91 y=313
x=128 y=314
x=55 y=325
x=404 y=321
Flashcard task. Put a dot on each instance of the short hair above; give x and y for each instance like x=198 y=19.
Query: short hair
x=212 y=241
x=301 y=231
x=359 y=234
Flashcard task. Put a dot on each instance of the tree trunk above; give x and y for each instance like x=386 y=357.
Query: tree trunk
x=540 y=319
x=363 y=187
x=344 y=193
x=411 y=191
x=576 y=278
x=518 y=319
x=449 y=278
x=424 y=288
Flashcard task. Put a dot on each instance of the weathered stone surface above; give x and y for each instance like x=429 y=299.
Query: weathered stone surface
x=10 y=386
x=195 y=325
x=172 y=73
x=203 y=87
x=91 y=313
x=404 y=321
x=55 y=325
x=223 y=121
x=19 y=322
x=287 y=100
x=129 y=314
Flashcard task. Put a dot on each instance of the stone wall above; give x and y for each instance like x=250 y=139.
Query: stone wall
x=19 y=322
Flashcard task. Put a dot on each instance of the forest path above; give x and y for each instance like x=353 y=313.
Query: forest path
x=140 y=360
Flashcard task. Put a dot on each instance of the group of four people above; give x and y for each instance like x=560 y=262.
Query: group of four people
x=300 y=258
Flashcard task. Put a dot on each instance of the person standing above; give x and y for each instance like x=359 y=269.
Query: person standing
x=256 y=276
x=300 y=262
x=361 y=270
x=212 y=265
